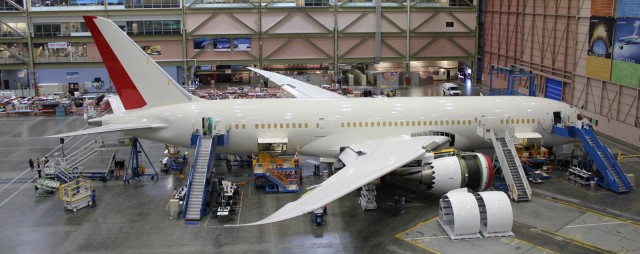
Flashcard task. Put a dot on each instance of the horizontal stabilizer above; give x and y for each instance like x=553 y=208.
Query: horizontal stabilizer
x=111 y=128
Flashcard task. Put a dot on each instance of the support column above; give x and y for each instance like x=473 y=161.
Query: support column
x=378 y=36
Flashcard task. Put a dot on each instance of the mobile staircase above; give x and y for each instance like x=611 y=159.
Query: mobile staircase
x=614 y=177
x=198 y=187
x=512 y=170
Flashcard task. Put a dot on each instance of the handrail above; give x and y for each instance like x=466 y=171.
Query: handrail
x=190 y=179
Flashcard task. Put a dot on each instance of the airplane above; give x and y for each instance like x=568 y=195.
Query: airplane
x=372 y=137
x=633 y=39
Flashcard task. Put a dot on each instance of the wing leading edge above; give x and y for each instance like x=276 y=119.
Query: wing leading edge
x=364 y=163
x=111 y=128
x=296 y=87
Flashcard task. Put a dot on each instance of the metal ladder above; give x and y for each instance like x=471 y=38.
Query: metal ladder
x=511 y=167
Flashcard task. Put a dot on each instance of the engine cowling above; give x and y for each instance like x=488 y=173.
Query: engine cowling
x=470 y=170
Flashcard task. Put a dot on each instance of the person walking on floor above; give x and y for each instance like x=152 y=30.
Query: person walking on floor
x=93 y=199
x=31 y=165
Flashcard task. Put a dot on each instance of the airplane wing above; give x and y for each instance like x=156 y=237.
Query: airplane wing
x=111 y=128
x=364 y=163
x=296 y=87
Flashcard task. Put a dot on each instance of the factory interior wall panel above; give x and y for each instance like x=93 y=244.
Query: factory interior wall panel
x=297 y=48
x=437 y=22
x=221 y=23
x=613 y=108
x=296 y=22
x=365 y=23
x=537 y=35
x=169 y=50
x=453 y=46
x=92 y=51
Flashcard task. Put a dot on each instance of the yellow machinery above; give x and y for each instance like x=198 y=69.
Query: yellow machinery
x=76 y=194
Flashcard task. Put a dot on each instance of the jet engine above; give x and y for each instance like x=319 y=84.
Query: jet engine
x=470 y=170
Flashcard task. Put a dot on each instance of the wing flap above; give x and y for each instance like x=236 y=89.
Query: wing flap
x=296 y=87
x=365 y=163
x=111 y=128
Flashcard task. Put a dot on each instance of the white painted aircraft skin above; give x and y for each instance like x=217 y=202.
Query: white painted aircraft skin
x=275 y=119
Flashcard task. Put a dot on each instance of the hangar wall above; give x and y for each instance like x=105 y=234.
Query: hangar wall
x=551 y=38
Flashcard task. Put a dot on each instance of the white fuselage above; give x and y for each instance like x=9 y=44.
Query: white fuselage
x=321 y=126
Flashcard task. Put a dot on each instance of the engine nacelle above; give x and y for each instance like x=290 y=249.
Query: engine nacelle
x=471 y=170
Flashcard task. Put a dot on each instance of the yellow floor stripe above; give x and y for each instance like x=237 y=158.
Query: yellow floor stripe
x=570 y=239
x=415 y=243
x=584 y=209
x=537 y=246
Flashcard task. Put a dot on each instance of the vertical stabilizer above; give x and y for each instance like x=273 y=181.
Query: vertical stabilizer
x=139 y=81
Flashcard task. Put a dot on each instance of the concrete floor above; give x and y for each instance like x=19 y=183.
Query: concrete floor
x=561 y=218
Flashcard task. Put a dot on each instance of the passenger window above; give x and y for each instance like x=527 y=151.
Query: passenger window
x=419 y=123
x=458 y=122
x=244 y=126
x=430 y=123
x=435 y=123
x=447 y=122
x=348 y=124
x=281 y=125
x=378 y=124
x=395 y=124
x=441 y=122
x=373 y=124
x=257 y=126
x=269 y=126
x=401 y=123
x=384 y=124
x=342 y=124
x=366 y=124
x=306 y=125
x=501 y=121
x=360 y=124
x=293 y=125
x=517 y=121
x=288 y=125
x=318 y=125
x=300 y=125
x=237 y=126
x=512 y=121
x=262 y=126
